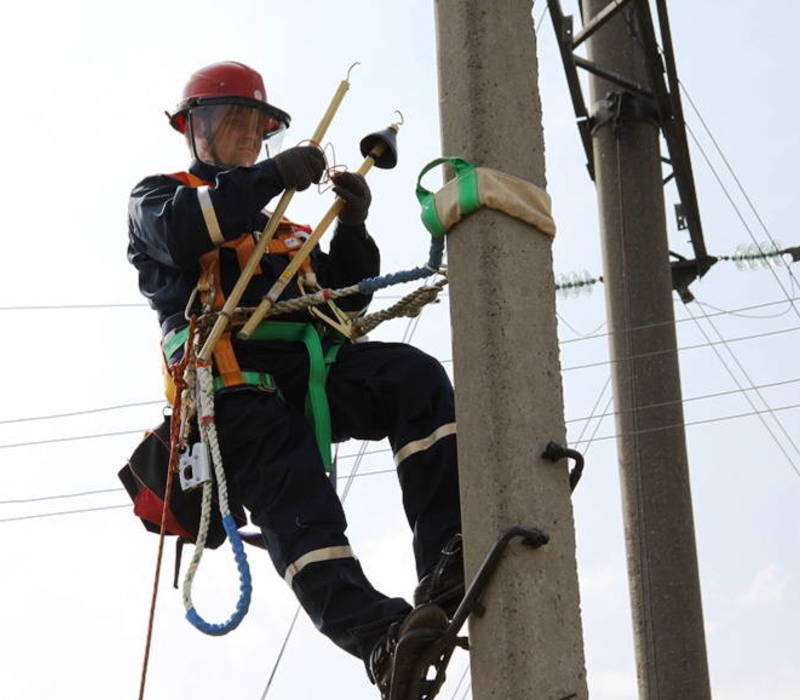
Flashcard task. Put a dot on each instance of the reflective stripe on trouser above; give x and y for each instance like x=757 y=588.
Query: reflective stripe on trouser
x=318 y=555
x=411 y=448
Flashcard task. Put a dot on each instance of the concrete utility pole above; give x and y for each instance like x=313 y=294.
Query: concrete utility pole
x=509 y=403
x=657 y=501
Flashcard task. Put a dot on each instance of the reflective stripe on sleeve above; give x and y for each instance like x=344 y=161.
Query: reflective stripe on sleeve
x=411 y=448
x=209 y=215
x=324 y=554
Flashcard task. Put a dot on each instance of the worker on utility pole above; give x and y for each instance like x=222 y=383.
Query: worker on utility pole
x=188 y=232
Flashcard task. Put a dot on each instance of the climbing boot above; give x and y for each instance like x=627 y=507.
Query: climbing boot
x=444 y=586
x=399 y=662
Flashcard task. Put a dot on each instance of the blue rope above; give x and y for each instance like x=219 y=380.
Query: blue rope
x=245 y=587
x=373 y=284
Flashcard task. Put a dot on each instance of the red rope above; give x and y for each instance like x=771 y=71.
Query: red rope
x=176 y=372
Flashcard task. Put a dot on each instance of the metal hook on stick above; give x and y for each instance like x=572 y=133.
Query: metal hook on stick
x=379 y=149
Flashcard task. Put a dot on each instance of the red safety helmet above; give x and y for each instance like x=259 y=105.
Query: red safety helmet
x=228 y=83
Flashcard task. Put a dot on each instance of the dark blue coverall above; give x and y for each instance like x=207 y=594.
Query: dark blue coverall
x=375 y=391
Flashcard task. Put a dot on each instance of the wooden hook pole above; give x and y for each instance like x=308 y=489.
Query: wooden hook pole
x=260 y=248
x=294 y=264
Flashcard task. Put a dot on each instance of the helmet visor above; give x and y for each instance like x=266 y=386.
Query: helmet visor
x=230 y=135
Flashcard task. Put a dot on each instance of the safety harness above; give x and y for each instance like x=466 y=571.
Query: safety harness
x=287 y=241
x=201 y=464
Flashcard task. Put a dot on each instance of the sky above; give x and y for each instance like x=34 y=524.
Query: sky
x=86 y=85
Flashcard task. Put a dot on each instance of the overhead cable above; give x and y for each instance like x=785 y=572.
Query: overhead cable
x=600 y=363
x=747 y=396
x=654 y=353
x=81 y=412
x=687 y=424
x=742 y=219
x=719 y=312
x=376 y=472
x=701 y=397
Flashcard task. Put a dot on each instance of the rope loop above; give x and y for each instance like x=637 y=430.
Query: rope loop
x=208 y=429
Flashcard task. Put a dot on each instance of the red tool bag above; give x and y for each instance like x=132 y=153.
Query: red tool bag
x=145 y=478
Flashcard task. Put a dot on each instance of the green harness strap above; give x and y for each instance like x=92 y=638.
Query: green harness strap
x=319 y=364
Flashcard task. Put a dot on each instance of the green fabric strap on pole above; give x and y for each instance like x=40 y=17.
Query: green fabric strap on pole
x=319 y=364
x=468 y=194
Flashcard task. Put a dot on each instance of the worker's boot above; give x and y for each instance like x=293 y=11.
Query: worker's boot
x=397 y=663
x=444 y=586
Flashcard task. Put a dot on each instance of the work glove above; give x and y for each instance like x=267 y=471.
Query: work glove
x=354 y=190
x=300 y=166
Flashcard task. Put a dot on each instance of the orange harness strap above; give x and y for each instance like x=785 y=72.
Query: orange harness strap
x=284 y=243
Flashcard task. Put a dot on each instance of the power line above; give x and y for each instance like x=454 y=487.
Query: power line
x=592 y=415
x=582 y=336
x=538 y=25
x=735 y=178
x=654 y=353
x=588 y=441
x=591 y=336
x=754 y=317
x=741 y=217
x=132 y=305
x=376 y=472
x=63 y=512
x=655 y=324
x=687 y=424
x=140 y=431
x=702 y=397
x=81 y=412
x=71 y=439
x=447 y=361
x=460 y=681
x=61 y=307
x=59 y=495
x=747 y=396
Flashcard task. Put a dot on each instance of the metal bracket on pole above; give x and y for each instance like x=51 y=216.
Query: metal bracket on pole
x=563 y=28
x=433 y=658
x=623 y=107
x=664 y=97
x=555 y=452
x=685 y=271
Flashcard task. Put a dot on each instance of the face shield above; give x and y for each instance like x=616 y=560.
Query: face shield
x=229 y=134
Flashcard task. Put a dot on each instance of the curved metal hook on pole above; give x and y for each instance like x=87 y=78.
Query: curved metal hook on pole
x=260 y=248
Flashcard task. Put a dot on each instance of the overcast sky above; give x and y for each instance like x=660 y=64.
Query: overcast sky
x=86 y=84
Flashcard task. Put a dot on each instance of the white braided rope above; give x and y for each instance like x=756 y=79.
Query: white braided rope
x=199 y=546
x=205 y=381
x=205 y=394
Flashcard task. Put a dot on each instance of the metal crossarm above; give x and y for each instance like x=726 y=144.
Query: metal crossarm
x=563 y=29
x=663 y=94
x=598 y=21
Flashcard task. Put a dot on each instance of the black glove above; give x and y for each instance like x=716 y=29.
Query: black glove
x=300 y=166
x=354 y=190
